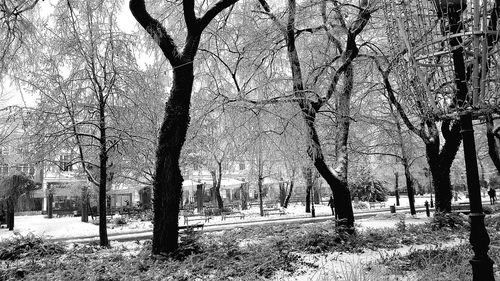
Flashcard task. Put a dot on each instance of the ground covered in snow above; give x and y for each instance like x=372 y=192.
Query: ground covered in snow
x=386 y=247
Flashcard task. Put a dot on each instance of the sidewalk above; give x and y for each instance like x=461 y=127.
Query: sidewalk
x=71 y=229
x=147 y=234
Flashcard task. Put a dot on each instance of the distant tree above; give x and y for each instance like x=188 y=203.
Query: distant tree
x=84 y=107
x=11 y=188
x=367 y=188
x=343 y=45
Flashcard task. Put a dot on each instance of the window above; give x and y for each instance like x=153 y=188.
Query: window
x=65 y=163
x=242 y=166
x=4 y=170
x=27 y=169
x=123 y=200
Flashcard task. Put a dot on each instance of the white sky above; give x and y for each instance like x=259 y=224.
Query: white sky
x=11 y=95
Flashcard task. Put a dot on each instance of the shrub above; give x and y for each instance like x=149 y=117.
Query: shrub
x=360 y=205
x=119 y=220
x=367 y=188
x=28 y=246
x=451 y=220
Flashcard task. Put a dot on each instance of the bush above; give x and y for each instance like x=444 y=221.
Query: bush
x=28 y=246
x=119 y=220
x=451 y=220
x=367 y=188
x=360 y=205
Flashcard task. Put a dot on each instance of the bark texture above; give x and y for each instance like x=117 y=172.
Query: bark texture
x=168 y=179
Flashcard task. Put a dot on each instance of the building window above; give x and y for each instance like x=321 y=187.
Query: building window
x=123 y=200
x=242 y=166
x=65 y=163
x=4 y=170
x=27 y=169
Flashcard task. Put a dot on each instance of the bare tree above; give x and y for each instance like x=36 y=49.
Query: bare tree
x=311 y=102
x=168 y=178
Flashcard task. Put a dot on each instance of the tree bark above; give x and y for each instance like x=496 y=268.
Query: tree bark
x=168 y=179
x=409 y=187
x=244 y=196
x=282 y=195
x=167 y=183
x=440 y=163
x=309 y=184
x=289 y=195
x=492 y=142
x=261 y=202
x=85 y=204
x=10 y=213
x=103 y=172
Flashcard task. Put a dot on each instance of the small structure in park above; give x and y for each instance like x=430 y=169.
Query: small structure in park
x=11 y=188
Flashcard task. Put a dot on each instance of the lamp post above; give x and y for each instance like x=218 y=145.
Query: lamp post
x=482 y=265
x=427 y=173
x=396 y=188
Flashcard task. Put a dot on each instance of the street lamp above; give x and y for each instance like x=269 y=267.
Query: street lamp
x=427 y=173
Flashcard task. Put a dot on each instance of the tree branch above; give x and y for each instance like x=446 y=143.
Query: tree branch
x=156 y=30
x=214 y=11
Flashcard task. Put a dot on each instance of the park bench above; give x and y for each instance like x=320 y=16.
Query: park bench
x=273 y=211
x=188 y=218
x=377 y=204
x=461 y=208
x=233 y=215
x=193 y=226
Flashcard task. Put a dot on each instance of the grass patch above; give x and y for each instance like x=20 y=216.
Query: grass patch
x=254 y=253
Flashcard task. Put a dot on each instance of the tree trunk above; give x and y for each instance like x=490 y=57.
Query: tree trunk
x=10 y=213
x=308 y=177
x=409 y=187
x=440 y=163
x=103 y=176
x=289 y=195
x=308 y=198
x=244 y=196
x=396 y=188
x=315 y=185
x=492 y=142
x=216 y=182
x=220 y=203
x=85 y=204
x=282 y=195
x=50 y=200
x=261 y=202
x=168 y=180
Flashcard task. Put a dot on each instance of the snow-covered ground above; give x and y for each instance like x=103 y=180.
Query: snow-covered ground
x=66 y=227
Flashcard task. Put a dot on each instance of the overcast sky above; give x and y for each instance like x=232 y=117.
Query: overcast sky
x=11 y=95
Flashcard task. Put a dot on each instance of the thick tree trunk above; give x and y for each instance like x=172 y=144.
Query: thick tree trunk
x=168 y=180
x=289 y=195
x=440 y=164
x=341 y=193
